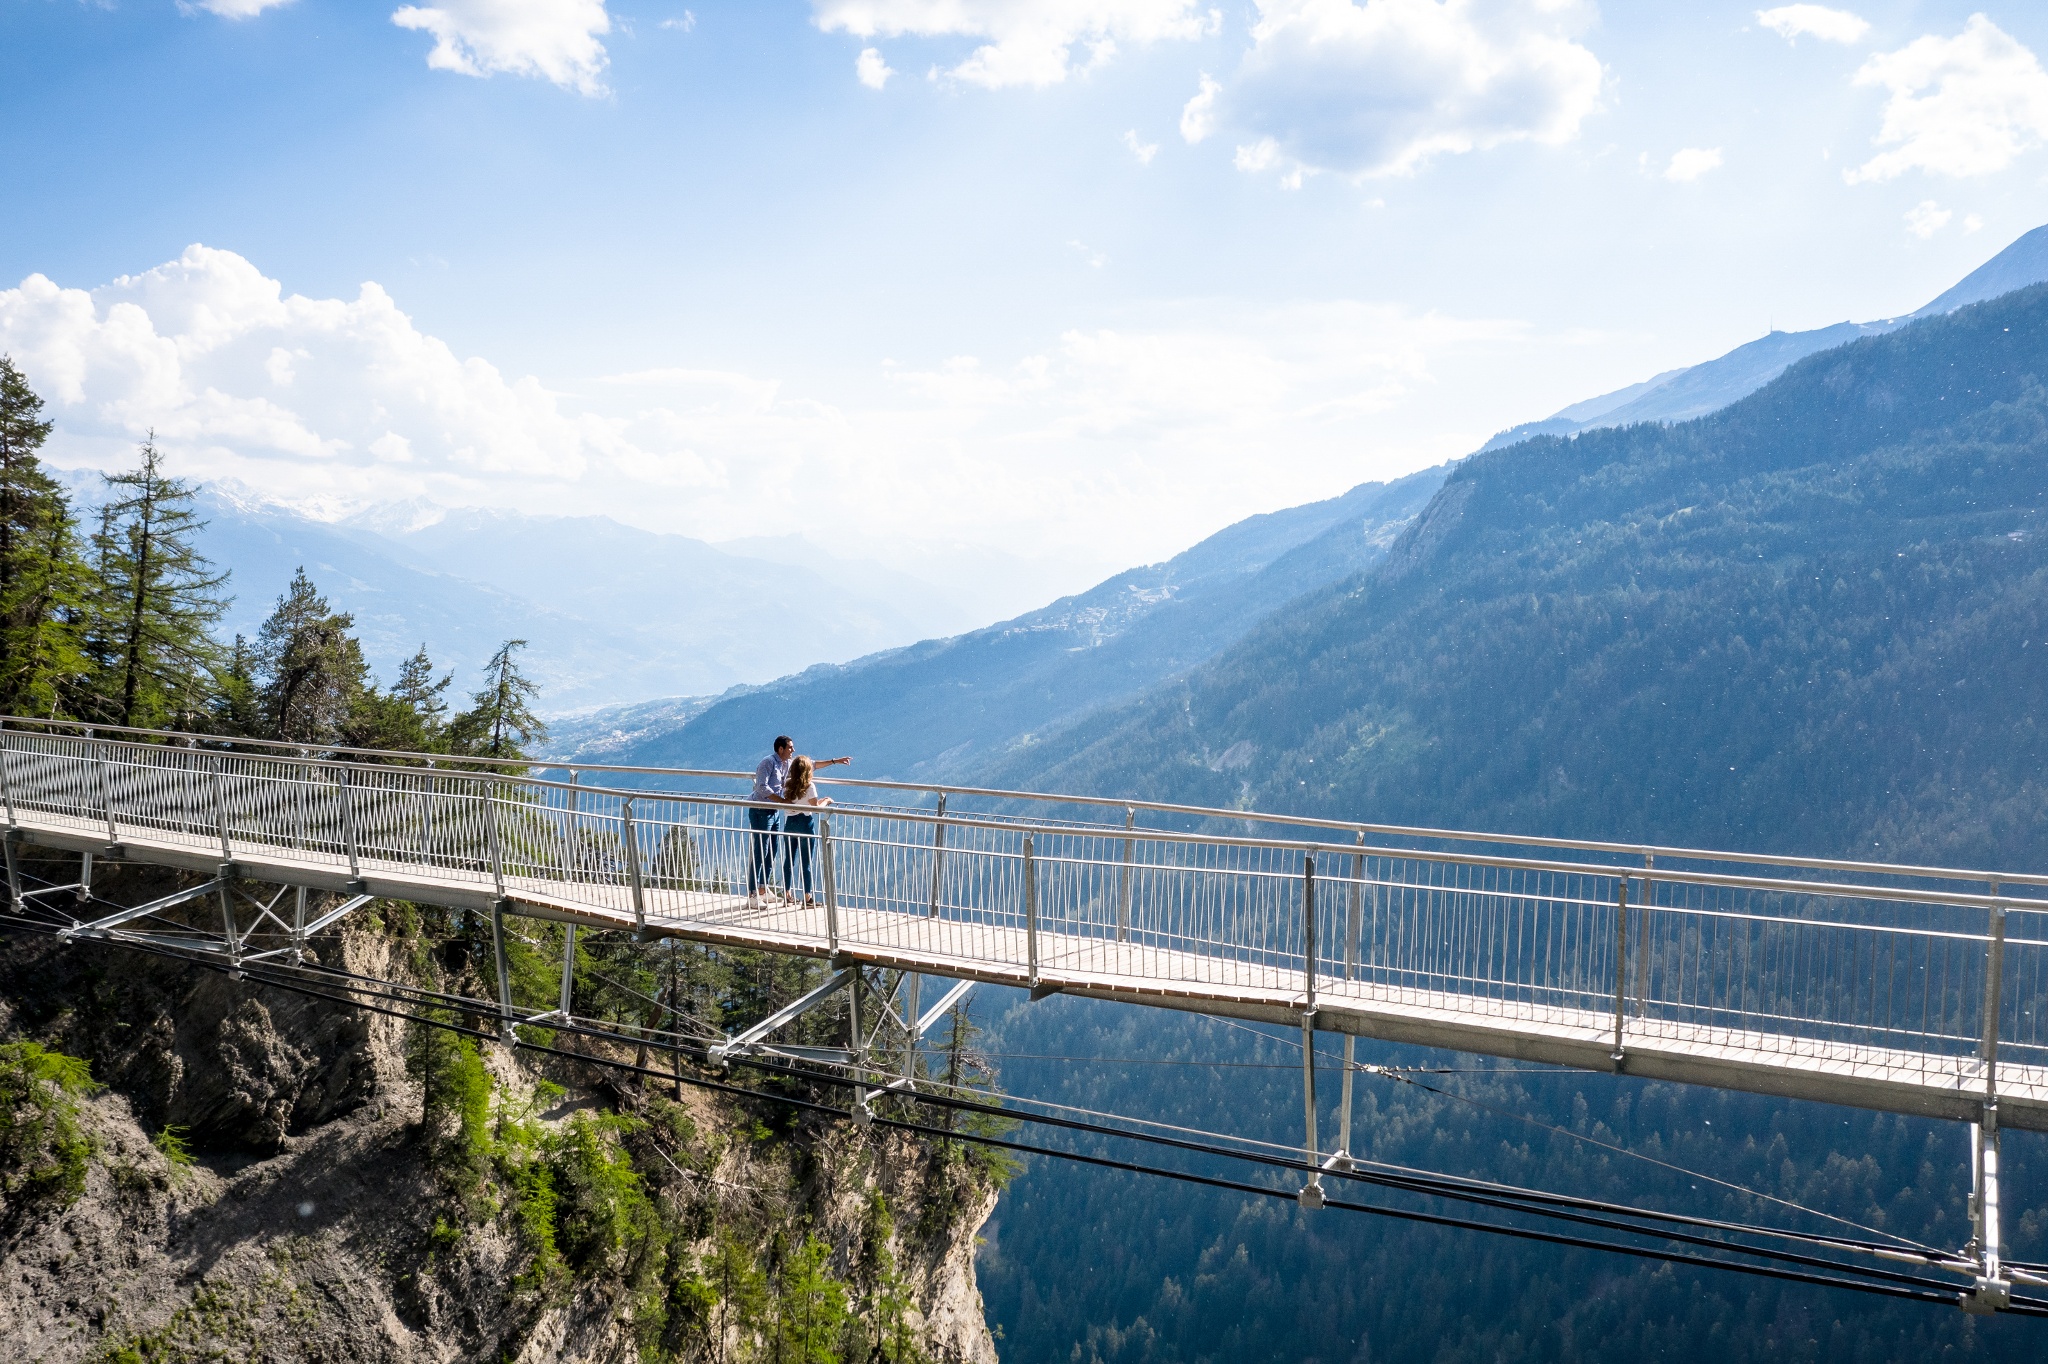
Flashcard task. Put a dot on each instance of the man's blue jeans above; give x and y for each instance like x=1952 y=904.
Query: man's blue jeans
x=761 y=852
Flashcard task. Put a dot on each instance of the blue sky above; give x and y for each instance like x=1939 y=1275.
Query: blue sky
x=1033 y=310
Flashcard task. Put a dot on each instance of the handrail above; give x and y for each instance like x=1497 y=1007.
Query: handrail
x=1662 y=852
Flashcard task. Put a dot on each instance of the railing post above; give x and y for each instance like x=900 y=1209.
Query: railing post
x=1620 y=964
x=107 y=793
x=1123 y=884
x=1308 y=931
x=575 y=825
x=831 y=885
x=1030 y=911
x=938 y=856
x=220 y=806
x=633 y=877
x=497 y=850
x=348 y=834
x=7 y=782
x=1643 y=939
x=1994 y=984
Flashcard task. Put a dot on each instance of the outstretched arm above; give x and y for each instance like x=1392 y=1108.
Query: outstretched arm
x=830 y=762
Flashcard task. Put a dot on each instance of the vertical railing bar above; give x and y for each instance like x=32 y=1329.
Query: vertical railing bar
x=7 y=782
x=1030 y=912
x=1620 y=964
x=633 y=878
x=1643 y=958
x=1308 y=930
x=346 y=783
x=105 y=765
x=1123 y=892
x=220 y=807
x=1994 y=979
x=938 y=857
x=831 y=894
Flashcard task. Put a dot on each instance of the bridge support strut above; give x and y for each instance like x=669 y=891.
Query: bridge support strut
x=1991 y=1291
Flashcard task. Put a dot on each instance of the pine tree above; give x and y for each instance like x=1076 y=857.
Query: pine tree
x=500 y=722
x=310 y=674
x=42 y=580
x=237 y=707
x=410 y=718
x=157 y=600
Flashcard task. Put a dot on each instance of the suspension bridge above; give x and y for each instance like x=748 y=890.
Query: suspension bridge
x=1912 y=990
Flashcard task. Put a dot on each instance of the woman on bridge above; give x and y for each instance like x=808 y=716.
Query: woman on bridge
x=799 y=824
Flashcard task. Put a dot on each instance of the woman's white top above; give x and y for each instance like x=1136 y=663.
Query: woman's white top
x=808 y=796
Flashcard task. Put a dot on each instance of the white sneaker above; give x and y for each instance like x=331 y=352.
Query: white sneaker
x=754 y=902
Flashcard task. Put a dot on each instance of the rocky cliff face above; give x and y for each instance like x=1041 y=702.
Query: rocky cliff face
x=300 y=1209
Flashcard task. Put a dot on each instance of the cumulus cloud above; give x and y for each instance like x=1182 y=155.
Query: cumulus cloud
x=874 y=73
x=1027 y=42
x=1198 y=115
x=1961 y=106
x=1144 y=151
x=1095 y=449
x=1382 y=87
x=240 y=379
x=556 y=40
x=1926 y=218
x=230 y=9
x=1818 y=21
x=1690 y=163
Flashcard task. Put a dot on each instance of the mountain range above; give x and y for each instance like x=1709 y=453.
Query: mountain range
x=611 y=613
x=944 y=708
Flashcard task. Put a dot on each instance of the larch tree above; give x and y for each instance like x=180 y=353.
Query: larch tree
x=157 y=601
x=500 y=722
x=42 y=579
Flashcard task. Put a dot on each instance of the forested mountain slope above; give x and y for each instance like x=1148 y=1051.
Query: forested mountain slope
x=1813 y=622
x=931 y=710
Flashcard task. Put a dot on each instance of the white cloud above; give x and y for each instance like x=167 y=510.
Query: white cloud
x=1926 y=218
x=1382 y=87
x=1961 y=106
x=874 y=73
x=1099 y=448
x=1973 y=222
x=556 y=40
x=1028 y=42
x=682 y=25
x=239 y=379
x=230 y=9
x=1690 y=163
x=1144 y=151
x=1198 y=115
x=1828 y=25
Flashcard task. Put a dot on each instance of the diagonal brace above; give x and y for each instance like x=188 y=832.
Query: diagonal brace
x=119 y=917
x=787 y=1014
x=938 y=1010
x=346 y=907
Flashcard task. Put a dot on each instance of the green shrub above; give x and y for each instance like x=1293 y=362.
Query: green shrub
x=171 y=1141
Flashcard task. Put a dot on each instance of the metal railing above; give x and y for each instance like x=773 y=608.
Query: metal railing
x=1914 y=971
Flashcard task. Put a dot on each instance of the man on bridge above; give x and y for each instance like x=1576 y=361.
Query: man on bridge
x=765 y=820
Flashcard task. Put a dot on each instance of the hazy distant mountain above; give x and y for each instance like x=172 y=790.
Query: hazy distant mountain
x=610 y=612
x=1682 y=394
x=937 y=707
